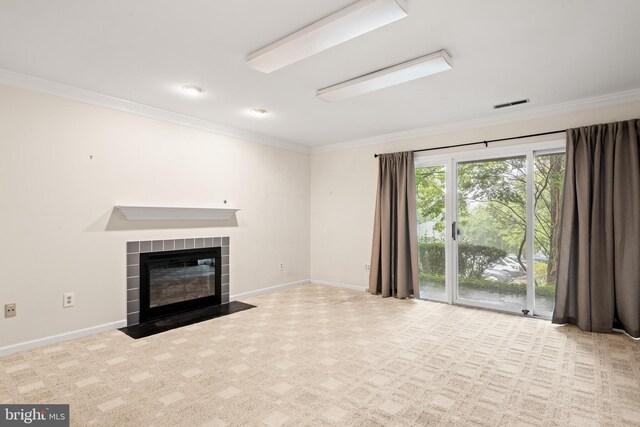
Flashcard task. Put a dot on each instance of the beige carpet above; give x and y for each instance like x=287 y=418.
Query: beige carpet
x=316 y=355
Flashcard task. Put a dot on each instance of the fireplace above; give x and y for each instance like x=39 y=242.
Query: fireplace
x=154 y=267
x=176 y=281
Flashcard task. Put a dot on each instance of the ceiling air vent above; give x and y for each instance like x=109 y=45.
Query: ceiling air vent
x=511 y=104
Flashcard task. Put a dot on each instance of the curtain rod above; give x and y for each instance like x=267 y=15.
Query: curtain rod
x=486 y=142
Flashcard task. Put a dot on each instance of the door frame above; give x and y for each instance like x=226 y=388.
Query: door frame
x=451 y=160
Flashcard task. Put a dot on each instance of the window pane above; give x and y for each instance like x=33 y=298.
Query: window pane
x=549 y=169
x=430 y=188
x=492 y=224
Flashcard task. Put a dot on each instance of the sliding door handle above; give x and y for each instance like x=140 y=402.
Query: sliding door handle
x=454 y=230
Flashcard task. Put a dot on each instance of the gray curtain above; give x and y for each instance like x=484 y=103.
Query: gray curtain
x=394 y=256
x=599 y=257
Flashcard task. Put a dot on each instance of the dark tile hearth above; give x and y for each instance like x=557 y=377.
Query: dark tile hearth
x=184 y=319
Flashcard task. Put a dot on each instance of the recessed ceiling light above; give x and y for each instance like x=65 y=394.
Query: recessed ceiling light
x=192 y=90
x=346 y=24
x=258 y=112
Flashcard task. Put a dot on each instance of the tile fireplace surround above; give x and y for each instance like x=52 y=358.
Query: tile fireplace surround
x=133 y=266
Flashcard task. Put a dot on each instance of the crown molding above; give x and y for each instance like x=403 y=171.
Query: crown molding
x=23 y=81
x=617 y=98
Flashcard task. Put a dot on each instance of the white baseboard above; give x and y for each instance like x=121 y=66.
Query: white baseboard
x=27 y=345
x=622 y=331
x=53 y=339
x=236 y=297
x=338 y=285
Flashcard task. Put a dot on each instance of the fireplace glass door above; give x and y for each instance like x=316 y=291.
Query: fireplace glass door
x=177 y=281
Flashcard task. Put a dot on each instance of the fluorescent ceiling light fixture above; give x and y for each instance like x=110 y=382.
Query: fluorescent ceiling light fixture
x=391 y=76
x=192 y=90
x=348 y=23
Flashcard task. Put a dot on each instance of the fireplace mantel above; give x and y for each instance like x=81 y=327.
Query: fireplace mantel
x=159 y=213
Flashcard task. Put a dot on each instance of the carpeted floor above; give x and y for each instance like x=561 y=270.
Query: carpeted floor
x=316 y=355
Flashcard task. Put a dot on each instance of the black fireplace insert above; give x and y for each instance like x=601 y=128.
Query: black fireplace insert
x=178 y=281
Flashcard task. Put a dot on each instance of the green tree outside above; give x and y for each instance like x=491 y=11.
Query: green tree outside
x=492 y=207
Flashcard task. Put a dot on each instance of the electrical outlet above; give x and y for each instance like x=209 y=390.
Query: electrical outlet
x=69 y=299
x=367 y=267
x=10 y=310
x=281 y=266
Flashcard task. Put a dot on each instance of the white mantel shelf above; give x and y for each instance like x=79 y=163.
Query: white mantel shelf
x=158 y=213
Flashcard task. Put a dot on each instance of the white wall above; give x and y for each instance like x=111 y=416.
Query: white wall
x=58 y=231
x=343 y=187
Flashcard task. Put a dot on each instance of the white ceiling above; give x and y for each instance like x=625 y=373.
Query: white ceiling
x=551 y=51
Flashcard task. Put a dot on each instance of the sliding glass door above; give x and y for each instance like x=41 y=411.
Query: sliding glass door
x=491 y=233
x=489 y=225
